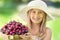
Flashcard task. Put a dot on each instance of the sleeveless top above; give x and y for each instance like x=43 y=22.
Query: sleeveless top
x=35 y=38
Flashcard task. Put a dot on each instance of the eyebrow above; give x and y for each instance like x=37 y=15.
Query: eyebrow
x=35 y=8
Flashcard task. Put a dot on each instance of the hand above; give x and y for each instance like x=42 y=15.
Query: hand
x=26 y=36
x=4 y=36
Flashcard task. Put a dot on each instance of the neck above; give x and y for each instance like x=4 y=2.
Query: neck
x=34 y=25
x=35 y=29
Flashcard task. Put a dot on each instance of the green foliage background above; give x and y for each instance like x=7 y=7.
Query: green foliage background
x=8 y=12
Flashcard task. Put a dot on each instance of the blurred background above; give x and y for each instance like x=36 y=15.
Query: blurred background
x=9 y=10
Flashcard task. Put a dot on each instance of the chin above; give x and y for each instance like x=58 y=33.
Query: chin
x=36 y=22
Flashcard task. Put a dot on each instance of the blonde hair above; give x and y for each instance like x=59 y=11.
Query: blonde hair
x=42 y=28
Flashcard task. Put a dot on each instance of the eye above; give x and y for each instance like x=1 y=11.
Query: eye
x=33 y=11
x=40 y=12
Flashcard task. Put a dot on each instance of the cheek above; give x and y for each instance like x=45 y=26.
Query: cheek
x=41 y=15
x=31 y=15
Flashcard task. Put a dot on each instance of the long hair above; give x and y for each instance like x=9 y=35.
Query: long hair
x=42 y=26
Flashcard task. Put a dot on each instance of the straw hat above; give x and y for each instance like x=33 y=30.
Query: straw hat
x=39 y=4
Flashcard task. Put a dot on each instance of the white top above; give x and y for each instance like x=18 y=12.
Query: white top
x=35 y=38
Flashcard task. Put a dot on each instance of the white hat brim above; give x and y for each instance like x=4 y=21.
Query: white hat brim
x=23 y=12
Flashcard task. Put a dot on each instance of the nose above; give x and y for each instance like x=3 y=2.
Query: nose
x=36 y=15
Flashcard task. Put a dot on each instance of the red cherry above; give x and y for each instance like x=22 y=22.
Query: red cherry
x=3 y=28
x=11 y=33
x=6 y=32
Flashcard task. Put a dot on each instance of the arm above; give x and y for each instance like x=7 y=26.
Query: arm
x=48 y=34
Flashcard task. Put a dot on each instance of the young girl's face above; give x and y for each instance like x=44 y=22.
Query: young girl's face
x=36 y=15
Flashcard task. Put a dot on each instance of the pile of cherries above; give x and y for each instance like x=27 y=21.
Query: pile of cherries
x=14 y=28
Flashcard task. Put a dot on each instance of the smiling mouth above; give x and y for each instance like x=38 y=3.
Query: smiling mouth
x=36 y=19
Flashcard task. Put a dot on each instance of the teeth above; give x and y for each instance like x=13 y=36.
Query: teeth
x=36 y=19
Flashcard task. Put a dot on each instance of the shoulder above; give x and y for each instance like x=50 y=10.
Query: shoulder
x=48 y=31
x=48 y=34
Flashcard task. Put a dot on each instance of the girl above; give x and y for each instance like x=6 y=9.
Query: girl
x=37 y=14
